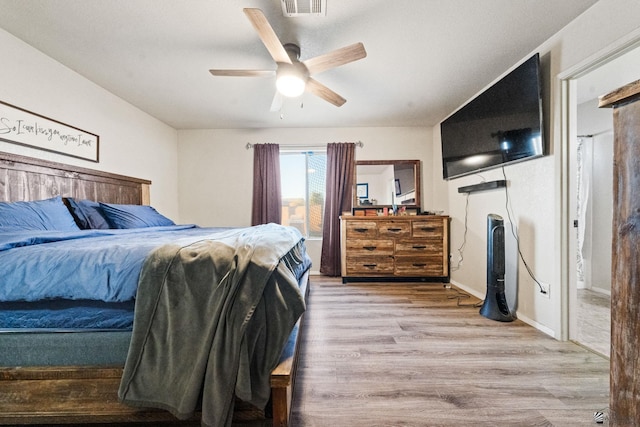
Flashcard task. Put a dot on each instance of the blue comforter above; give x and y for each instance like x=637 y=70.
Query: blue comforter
x=99 y=265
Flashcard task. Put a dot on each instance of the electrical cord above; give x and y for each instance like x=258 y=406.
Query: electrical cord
x=464 y=237
x=515 y=234
x=461 y=295
x=466 y=228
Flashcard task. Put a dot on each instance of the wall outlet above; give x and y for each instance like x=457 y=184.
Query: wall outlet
x=545 y=290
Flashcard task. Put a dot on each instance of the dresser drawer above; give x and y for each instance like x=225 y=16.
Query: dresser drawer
x=419 y=266
x=366 y=247
x=362 y=230
x=419 y=247
x=370 y=266
x=394 y=229
x=431 y=229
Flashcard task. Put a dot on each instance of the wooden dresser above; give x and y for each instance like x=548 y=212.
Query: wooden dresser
x=395 y=247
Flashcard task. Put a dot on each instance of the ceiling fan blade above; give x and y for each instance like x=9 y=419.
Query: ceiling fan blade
x=320 y=90
x=335 y=58
x=276 y=104
x=244 y=73
x=267 y=35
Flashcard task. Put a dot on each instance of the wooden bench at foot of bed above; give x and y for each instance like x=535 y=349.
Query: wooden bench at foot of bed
x=85 y=394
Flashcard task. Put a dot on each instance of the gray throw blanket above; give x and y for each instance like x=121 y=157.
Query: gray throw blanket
x=211 y=319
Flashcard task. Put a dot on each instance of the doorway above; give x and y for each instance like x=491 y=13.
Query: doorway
x=593 y=233
x=590 y=201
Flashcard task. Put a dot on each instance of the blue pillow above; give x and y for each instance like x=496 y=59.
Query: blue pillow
x=87 y=213
x=133 y=216
x=48 y=214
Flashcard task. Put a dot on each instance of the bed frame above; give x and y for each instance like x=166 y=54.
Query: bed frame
x=88 y=394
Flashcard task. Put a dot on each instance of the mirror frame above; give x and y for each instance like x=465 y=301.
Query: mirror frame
x=417 y=177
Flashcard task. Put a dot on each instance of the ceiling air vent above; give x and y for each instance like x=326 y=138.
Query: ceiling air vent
x=292 y=8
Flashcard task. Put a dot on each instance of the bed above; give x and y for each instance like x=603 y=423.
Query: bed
x=158 y=331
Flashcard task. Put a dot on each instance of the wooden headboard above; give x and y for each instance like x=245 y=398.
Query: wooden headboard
x=27 y=178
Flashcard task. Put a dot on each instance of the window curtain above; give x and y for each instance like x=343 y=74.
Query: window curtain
x=267 y=195
x=338 y=199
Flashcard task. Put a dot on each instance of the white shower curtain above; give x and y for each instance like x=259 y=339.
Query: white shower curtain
x=583 y=187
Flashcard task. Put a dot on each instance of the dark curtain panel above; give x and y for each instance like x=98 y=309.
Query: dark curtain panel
x=267 y=195
x=338 y=199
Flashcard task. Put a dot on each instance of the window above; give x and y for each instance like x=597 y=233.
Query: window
x=302 y=176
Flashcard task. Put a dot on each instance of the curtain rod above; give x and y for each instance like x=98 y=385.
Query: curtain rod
x=250 y=145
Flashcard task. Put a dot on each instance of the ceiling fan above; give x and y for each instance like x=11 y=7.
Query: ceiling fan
x=293 y=76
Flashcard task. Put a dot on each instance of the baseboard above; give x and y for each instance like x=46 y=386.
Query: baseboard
x=520 y=316
x=468 y=290
x=537 y=325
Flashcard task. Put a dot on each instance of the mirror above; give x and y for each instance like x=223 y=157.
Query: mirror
x=387 y=183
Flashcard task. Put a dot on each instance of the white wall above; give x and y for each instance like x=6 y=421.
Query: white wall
x=131 y=142
x=535 y=187
x=216 y=170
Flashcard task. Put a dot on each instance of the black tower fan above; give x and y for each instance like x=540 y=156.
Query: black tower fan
x=495 y=304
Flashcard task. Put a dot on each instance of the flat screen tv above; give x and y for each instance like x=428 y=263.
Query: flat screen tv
x=502 y=125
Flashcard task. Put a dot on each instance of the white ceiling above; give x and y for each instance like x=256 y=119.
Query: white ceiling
x=425 y=57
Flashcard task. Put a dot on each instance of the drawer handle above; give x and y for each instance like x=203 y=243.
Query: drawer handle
x=394 y=230
x=370 y=248
x=419 y=264
x=361 y=230
x=428 y=228
x=419 y=247
x=370 y=265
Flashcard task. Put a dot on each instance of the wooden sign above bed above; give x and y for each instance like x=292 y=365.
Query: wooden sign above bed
x=28 y=178
x=24 y=127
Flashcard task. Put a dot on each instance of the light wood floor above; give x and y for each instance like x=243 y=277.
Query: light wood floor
x=405 y=354
x=594 y=321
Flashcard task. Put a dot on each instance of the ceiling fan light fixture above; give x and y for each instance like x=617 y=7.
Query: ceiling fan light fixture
x=290 y=85
x=290 y=80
